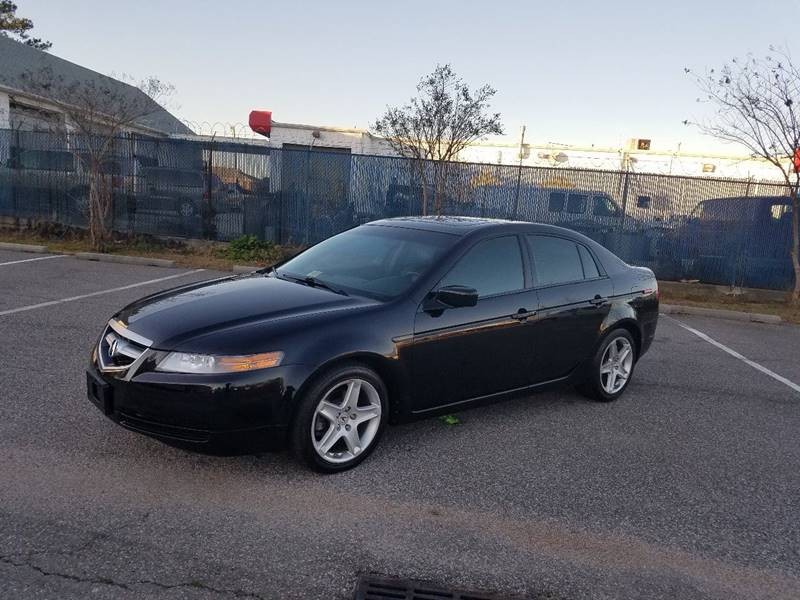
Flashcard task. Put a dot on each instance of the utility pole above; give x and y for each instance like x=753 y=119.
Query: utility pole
x=519 y=171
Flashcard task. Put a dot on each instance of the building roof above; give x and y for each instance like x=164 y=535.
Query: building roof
x=18 y=60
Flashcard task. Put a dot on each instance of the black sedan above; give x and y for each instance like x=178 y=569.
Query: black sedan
x=394 y=320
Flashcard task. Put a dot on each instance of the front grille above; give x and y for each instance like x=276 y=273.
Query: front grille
x=373 y=587
x=118 y=349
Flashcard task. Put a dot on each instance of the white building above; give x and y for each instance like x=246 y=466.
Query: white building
x=656 y=160
x=22 y=109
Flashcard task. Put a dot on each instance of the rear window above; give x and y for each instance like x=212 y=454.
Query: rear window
x=555 y=260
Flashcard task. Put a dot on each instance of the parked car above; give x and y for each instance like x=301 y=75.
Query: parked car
x=181 y=191
x=390 y=321
x=37 y=182
x=54 y=184
x=742 y=241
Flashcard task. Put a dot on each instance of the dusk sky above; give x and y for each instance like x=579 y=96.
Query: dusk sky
x=578 y=72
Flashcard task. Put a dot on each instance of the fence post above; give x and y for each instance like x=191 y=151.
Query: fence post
x=208 y=204
x=737 y=269
x=624 y=200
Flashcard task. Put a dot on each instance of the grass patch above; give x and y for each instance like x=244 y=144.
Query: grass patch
x=450 y=420
x=689 y=296
x=198 y=254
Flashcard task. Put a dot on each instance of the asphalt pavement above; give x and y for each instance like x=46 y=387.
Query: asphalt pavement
x=687 y=487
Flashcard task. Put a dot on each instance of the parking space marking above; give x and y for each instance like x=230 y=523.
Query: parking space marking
x=735 y=354
x=100 y=293
x=25 y=260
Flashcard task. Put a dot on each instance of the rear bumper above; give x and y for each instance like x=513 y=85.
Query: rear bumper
x=242 y=414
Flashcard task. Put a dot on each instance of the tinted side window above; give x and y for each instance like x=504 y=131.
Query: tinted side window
x=576 y=203
x=604 y=207
x=556 y=202
x=491 y=267
x=555 y=260
x=590 y=270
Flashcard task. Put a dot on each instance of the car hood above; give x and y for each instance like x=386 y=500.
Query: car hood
x=174 y=316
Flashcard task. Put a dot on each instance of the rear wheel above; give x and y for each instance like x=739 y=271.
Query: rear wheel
x=186 y=208
x=611 y=368
x=340 y=419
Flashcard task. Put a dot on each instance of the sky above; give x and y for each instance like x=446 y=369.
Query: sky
x=575 y=72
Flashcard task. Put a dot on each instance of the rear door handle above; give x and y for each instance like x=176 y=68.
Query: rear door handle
x=598 y=300
x=523 y=314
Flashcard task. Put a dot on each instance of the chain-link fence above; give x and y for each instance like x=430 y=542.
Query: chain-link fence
x=721 y=231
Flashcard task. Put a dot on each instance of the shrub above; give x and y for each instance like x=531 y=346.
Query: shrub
x=249 y=249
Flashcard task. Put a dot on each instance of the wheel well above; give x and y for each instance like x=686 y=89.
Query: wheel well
x=632 y=328
x=395 y=386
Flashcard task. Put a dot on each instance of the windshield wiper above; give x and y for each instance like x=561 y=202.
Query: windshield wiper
x=313 y=282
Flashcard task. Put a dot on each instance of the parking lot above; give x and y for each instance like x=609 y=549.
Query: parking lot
x=687 y=487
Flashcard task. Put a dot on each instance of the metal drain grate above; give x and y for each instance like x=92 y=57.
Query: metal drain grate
x=374 y=587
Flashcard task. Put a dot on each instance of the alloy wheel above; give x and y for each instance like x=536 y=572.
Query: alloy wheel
x=616 y=365
x=346 y=420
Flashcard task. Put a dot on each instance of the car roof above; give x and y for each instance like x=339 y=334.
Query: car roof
x=462 y=226
x=445 y=224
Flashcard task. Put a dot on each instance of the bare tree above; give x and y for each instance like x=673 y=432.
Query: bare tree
x=756 y=102
x=444 y=118
x=97 y=112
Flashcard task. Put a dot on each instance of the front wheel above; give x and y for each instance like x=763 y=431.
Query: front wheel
x=340 y=419
x=611 y=368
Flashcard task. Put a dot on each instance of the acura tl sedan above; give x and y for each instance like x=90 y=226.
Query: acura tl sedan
x=391 y=321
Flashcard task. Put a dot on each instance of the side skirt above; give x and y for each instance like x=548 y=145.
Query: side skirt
x=490 y=398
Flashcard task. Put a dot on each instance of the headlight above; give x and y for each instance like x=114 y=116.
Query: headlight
x=180 y=362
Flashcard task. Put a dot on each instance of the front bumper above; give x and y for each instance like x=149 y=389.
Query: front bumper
x=227 y=414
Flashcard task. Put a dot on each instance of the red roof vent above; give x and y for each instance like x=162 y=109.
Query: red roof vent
x=261 y=121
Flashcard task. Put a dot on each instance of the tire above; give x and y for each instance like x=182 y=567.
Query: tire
x=598 y=385
x=315 y=421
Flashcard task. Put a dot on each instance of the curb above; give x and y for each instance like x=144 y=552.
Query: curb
x=245 y=269
x=128 y=260
x=733 y=315
x=23 y=247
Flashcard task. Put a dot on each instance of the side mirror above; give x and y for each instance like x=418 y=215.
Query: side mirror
x=457 y=296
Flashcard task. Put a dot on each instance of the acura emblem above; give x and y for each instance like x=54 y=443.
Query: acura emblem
x=112 y=349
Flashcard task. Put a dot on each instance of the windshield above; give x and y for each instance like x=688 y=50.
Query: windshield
x=379 y=262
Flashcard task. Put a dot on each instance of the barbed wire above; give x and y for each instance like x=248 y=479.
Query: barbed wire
x=222 y=129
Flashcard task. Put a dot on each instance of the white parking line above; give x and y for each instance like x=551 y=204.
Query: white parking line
x=735 y=354
x=100 y=293
x=16 y=262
